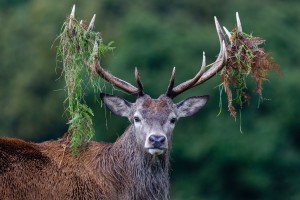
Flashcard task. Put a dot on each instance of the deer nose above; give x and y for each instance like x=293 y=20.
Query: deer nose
x=157 y=141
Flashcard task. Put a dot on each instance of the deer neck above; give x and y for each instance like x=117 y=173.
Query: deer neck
x=140 y=175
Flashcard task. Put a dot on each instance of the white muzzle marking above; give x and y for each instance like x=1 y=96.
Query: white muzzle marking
x=156 y=152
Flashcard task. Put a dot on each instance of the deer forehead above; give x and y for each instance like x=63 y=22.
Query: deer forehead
x=159 y=108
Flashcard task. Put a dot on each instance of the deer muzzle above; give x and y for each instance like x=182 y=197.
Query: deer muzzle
x=156 y=144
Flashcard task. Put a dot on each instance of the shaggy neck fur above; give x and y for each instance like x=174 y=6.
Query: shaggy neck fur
x=135 y=173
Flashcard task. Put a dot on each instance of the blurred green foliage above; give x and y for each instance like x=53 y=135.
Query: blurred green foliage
x=211 y=159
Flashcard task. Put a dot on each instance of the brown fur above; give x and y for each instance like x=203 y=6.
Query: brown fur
x=122 y=170
x=156 y=105
x=132 y=168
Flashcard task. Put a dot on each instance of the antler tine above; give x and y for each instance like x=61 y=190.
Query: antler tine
x=123 y=85
x=92 y=23
x=202 y=76
x=203 y=60
x=221 y=60
x=72 y=16
x=171 y=83
x=220 y=32
x=217 y=66
x=187 y=84
x=238 y=23
x=138 y=82
x=227 y=33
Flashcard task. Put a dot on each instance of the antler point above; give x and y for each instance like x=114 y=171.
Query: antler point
x=72 y=16
x=91 y=25
x=173 y=72
x=219 y=31
x=203 y=60
x=238 y=22
x=138 y=81
x=227 y=32
x=73 y=11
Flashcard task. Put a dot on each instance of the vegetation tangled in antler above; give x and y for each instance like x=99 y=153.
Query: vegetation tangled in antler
x=245 y=57
x=76 y=50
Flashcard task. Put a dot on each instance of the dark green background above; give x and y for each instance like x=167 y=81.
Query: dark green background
x=211 y=159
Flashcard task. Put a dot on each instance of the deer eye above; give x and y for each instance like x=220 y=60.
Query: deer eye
x=173 y=120
x=137 y=119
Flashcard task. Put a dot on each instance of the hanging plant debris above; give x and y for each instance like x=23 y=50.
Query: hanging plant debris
x=76 y=49
x=245 y=57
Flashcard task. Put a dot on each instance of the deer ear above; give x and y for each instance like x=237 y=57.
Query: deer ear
x=191 y=105
x=116 y=105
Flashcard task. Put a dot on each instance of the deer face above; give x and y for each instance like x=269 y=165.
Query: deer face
x=153 y=119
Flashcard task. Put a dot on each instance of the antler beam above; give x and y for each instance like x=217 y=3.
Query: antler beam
x=127 y=87
x=202 y=75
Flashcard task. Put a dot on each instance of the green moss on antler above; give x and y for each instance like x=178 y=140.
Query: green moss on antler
x=76 y=50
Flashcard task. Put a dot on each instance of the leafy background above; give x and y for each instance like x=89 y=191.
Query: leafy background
x=211 y=159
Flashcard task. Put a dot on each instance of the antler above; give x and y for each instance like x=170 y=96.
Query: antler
x=202 y=75
x=96 y=67
x=121 y=84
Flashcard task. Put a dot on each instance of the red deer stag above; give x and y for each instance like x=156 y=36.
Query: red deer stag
x=135 y=166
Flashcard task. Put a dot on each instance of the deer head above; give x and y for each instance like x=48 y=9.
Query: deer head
x=153 y=120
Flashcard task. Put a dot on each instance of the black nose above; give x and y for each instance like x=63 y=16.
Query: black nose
x=157 y=141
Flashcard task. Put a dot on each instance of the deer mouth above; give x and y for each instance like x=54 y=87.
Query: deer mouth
x=156 y=151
